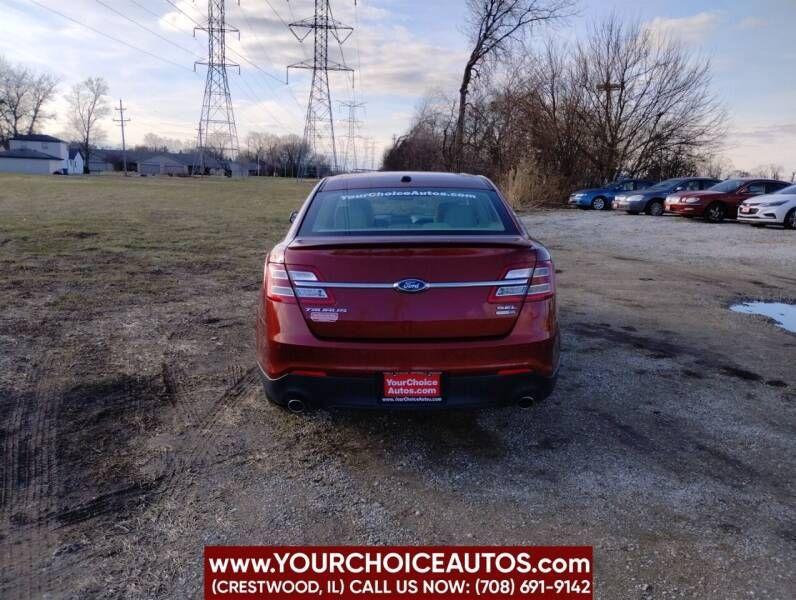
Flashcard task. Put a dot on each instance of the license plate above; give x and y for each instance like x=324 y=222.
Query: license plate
x=412 y=388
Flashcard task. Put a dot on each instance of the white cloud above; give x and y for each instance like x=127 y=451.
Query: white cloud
x=691 y=30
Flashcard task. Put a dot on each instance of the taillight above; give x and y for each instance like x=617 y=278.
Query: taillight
x=543 y=283
x=277 y=283
x=284 y=284
x=533 y=283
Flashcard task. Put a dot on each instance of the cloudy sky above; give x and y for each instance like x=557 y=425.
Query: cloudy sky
x=401 y=48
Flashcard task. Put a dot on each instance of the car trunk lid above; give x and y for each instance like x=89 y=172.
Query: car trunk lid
x=447 y=291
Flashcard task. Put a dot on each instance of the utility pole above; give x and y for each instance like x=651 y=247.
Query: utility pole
x=121 y=121
x=608 y=87
x=351 y=161
x=319 y=139
x=218 y=132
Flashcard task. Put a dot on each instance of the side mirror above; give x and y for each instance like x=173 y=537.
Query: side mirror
x=293 y=215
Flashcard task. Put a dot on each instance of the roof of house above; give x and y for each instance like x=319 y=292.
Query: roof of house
x=36 y=137
x=27 y=153
x=74 y=152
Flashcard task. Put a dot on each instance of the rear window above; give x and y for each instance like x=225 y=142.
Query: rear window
x=407 y=211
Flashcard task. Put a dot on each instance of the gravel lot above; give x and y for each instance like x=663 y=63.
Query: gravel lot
x=669 y=445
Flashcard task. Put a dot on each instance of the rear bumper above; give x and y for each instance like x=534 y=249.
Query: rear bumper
x=363 y=392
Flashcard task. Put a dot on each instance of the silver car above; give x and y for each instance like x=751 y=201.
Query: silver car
x=651 y=200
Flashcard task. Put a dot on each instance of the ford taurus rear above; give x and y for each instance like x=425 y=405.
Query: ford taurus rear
x=407 y=291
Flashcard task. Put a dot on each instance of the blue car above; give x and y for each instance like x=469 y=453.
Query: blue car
x=602 y=198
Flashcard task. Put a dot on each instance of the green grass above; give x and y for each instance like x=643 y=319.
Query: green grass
x=92 y=239
x=176 y=216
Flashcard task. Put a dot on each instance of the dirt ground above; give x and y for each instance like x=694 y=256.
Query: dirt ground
x=134 y=431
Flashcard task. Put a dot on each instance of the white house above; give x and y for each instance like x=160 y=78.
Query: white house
x=40 y=154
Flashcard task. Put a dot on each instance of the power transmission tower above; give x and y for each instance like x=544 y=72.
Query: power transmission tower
x=218 y=133
x=351 y=164
x=319 y=140
x=121 y=121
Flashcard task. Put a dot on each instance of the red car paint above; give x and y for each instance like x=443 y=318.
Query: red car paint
x=717 y=205
x=504 y=346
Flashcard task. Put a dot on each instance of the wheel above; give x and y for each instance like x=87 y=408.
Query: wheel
x=599 y=203
x=655 y=208
x=714 y=213
x=790 y=219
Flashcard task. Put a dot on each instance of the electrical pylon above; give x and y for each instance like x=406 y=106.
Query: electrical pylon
x=319 y=140
x=218 y=133
x=351 y=164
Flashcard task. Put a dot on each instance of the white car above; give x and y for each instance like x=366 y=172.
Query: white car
x=778 y=208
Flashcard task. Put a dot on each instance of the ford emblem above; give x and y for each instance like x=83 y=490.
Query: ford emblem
x=411 y=286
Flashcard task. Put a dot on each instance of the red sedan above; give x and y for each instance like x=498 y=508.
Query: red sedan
x=407 y=290
x=722 y=200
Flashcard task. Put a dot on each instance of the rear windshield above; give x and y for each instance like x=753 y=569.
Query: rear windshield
x=407 y=211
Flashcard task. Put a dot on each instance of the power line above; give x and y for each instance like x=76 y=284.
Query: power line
x=147 y=29
x=110 y=37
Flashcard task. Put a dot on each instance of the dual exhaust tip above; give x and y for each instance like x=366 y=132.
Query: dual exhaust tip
x=297 y=406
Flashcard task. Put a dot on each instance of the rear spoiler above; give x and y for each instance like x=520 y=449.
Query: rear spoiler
x=510 y=241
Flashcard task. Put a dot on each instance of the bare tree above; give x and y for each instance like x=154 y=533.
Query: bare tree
x=769 y=171
x=23 y=96
x=646 y=102
x=88 y=104
x=495 y=26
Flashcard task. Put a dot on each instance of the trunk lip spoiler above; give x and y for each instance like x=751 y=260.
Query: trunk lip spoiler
x=300 y=243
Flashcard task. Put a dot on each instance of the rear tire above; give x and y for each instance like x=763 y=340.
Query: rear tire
x=599 y=203
x=790 y=219
x=714 y=213
x=655 y=208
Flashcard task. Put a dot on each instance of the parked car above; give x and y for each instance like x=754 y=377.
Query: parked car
x=778 y=208
x=602 y=198
x=652 y=199
x=407 y=290
x=722 y=200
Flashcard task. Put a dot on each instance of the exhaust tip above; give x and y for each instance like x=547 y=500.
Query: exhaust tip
x=296 y=406
x=526 y=402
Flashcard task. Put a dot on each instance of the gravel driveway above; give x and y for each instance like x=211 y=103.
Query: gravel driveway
x=669 y=445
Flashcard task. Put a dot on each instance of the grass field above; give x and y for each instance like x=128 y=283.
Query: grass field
x=115 y=230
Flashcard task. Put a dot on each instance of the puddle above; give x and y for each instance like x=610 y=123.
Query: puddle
x=783 y=314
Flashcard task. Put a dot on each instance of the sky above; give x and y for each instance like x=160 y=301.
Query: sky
x=400 y=50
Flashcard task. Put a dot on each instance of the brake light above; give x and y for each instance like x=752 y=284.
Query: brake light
x=285 y=285
x=277 y=283
x=543 y=283
x=533 y=283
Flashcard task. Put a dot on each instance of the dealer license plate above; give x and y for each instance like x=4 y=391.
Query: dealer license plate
x=412 y=388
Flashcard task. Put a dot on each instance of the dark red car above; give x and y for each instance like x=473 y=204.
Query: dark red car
x=722 y=200
x=407 y=290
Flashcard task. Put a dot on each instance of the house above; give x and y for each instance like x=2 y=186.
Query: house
x=76 y=161
x=39 y=154
x=164 y=164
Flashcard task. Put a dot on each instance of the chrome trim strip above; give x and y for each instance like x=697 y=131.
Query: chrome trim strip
x=431 y=285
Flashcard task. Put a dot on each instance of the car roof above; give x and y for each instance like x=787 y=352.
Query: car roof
x=382 y=179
